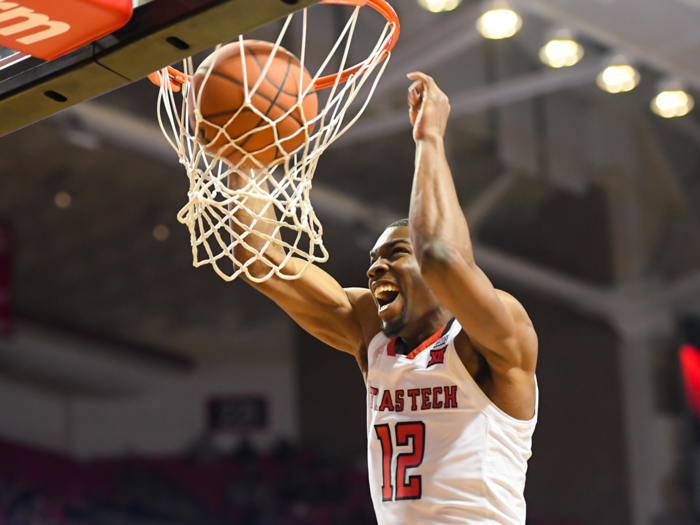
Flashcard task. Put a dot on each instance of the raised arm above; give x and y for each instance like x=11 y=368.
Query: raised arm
x=496 y=324
x=315 y=301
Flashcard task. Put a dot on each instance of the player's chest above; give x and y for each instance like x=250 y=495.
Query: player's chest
x=397 y=385
x=430 y=365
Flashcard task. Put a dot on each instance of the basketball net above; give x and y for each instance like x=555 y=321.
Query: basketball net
x=214 y=210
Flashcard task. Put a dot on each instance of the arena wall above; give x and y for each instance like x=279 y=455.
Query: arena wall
x=124 y=405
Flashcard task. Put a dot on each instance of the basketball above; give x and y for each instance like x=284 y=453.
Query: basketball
x=272 y=124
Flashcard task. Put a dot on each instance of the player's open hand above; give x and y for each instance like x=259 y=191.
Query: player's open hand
x=429 y=107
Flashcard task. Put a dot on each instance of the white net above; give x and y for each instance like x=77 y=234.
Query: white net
x=232 y=225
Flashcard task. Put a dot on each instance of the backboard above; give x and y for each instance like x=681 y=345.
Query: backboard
x=160 y=33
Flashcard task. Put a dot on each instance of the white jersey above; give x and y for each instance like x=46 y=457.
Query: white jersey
x=440 y=452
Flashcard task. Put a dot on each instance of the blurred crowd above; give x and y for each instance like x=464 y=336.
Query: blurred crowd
x=289 y=486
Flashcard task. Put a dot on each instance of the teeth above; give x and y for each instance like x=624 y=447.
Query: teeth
x=384 y=288
x=384 y=307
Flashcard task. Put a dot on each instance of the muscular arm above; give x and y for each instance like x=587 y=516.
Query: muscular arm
x=315 y=301
x=495 y=322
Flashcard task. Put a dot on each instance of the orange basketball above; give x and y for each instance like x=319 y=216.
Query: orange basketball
x=223 y=95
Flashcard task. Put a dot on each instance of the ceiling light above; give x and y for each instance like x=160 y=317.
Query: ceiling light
x=670 y=104
x=561 y=53
x=161 y=232
x=63 y=199
x=673 y=100
x=619 y=76
x=438 y=6
x=561 y=49
x=500 y=21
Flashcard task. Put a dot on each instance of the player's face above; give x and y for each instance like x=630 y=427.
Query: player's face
x=402 y=297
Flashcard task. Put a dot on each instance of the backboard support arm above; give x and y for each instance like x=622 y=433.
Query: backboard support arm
x=160 y=33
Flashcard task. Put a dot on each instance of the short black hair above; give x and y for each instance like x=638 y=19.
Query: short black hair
x=402 y=222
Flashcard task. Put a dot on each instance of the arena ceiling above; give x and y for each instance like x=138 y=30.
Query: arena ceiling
x=564 y=185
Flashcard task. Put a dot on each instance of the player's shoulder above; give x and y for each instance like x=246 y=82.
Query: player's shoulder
x=525 y=334
x=365 y=309
x=516 y=308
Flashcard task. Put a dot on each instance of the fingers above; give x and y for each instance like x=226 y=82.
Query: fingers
x=421 y=78
x=426 y=88
x=415 y=93
x=417 y=75
x=422 y=87
x=417 y=86
x=429 y=107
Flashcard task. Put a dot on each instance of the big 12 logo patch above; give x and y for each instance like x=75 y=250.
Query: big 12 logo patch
x=437 y=356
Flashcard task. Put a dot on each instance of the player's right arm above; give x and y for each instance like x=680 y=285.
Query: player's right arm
x=343 y=319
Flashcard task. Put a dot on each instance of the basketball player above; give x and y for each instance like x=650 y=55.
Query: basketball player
x=449 y=361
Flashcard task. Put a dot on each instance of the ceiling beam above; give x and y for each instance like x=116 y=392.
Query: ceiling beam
x=695 y=4
x=682 y=291
x=481 y=207
x=483 y=98
x=551 y=11
x=433 y=47
x=120 y=128
x=571 y=291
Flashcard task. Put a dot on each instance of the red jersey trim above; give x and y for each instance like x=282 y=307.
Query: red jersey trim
x=391 y=351
x=427 y=342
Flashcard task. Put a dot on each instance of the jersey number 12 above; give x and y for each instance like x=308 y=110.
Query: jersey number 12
x=405 y=489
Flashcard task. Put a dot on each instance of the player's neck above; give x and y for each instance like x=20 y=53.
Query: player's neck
x=424 y=329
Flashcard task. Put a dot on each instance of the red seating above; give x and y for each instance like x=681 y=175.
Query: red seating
x=49 y=29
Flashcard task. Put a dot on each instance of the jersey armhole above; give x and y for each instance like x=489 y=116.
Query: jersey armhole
x=377 y=342
x=490 y=406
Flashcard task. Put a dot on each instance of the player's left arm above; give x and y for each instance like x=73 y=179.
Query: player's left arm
x=496 y=323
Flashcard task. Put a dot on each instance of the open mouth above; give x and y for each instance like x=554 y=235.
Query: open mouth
x=386 y=294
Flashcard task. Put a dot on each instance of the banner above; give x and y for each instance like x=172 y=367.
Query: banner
x=6 y=325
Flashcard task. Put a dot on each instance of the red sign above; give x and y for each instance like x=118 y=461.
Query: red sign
x=690 y=369
x=49 y=29
x=5 y=280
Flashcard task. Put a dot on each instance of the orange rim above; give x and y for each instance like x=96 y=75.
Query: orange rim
x=387 y=12
x=177 y=79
